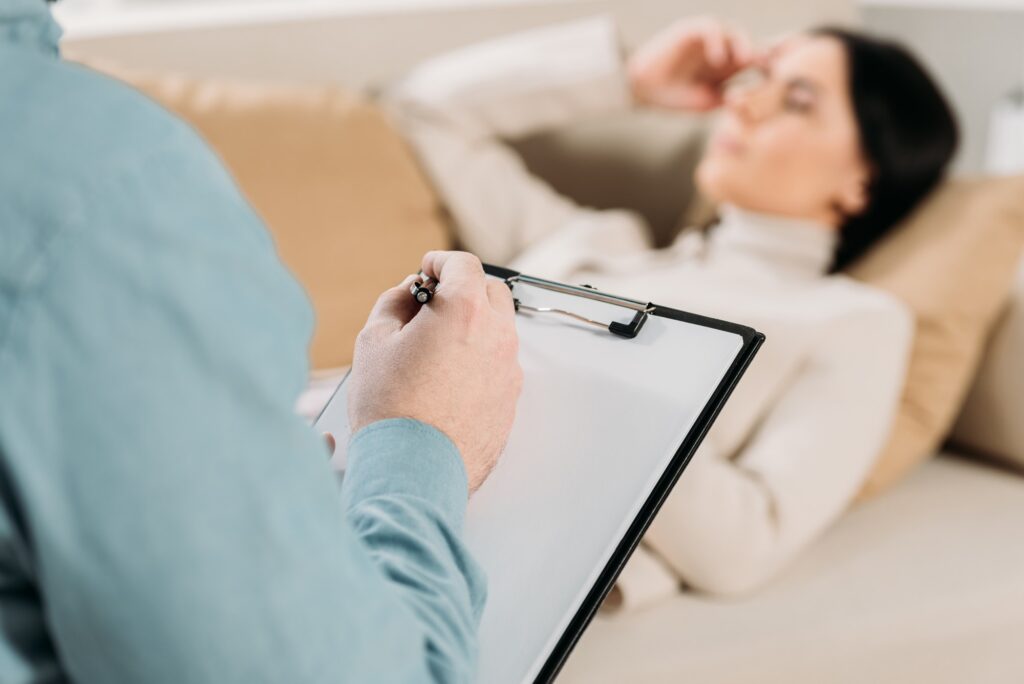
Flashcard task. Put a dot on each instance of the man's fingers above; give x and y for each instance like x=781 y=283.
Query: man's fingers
x=500 y=296
x=458 y=272
x=453 y=266
x=395 y=306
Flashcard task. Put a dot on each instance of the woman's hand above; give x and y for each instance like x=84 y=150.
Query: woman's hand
x=685 y=66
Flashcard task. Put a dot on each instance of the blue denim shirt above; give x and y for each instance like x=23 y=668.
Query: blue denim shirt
x=164 y=515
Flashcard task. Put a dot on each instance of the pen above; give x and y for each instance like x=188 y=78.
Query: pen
x=423 y=288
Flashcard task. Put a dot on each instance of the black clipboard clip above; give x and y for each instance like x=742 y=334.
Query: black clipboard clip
x=628 y=330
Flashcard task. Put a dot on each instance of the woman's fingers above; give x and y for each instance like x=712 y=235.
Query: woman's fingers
x=685 y=66
x=743 y=47
x=733 y=51
x=716 y=45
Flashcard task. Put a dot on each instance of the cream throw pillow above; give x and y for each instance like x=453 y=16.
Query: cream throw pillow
x=349 y=210
x=953 y=263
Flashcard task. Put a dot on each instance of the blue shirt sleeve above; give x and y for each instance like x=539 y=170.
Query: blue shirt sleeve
x=405 y=491
x=172 y=518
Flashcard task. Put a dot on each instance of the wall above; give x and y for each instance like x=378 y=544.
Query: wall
x=977 y=53
x=358 y=49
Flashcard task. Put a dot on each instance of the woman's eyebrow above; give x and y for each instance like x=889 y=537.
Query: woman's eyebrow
x=805 y=84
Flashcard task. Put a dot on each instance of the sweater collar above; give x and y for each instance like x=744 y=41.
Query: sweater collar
x=788 y=247
x=29 y=23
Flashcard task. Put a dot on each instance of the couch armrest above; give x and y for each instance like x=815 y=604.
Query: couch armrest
x=991 y=423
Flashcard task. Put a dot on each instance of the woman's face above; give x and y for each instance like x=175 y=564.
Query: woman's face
x=787 y=143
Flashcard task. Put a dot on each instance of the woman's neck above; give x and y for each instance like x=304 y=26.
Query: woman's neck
x=786 y=246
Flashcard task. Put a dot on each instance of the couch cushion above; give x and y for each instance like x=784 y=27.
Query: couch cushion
x=642 y=161
x=922 y=585
x=990 y=423
x=952 y=263
x=348 y=208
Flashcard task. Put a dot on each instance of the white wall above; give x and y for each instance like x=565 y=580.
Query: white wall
x=360 y=47
x=975 y=48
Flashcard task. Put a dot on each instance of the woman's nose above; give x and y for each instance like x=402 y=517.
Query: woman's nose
x=752 y=103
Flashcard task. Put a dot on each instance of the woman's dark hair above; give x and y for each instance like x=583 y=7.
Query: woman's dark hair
x=908 y=134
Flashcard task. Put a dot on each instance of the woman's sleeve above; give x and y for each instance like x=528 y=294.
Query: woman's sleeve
x=457 y=109
x=730 y=525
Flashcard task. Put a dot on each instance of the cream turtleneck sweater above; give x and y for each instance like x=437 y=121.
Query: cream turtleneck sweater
x=794 y=443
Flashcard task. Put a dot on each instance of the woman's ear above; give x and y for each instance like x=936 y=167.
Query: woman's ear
x=853 y=195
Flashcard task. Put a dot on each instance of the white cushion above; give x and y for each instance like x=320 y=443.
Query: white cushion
x=991 y=419
x=923 y=584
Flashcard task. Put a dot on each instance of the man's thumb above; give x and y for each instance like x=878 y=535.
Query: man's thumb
x=395 y=306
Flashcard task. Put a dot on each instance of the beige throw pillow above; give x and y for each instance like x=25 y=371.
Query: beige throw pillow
x=349 y=210
x=952 y=263
x=991 y=423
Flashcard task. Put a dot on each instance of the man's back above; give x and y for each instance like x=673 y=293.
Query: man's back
x=163 y=514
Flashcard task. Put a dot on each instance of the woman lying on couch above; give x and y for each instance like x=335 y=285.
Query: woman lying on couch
x=829 y=141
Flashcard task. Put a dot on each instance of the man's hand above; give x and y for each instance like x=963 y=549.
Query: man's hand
x=685 y=66
x=452 y=363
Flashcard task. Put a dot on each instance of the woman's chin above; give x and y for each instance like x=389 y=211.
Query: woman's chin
x=713 y=181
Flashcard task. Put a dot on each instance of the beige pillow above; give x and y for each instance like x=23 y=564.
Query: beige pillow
x=952 y=263
x=991 y=422
x=348 y=207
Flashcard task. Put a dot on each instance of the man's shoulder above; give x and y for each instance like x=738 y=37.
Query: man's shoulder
x=70 y=121
x=71 y=132
x=92 y=166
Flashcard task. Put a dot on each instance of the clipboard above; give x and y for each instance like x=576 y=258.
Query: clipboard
x=618 y=394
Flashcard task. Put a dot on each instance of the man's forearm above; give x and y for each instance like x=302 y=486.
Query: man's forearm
x=405 y=494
